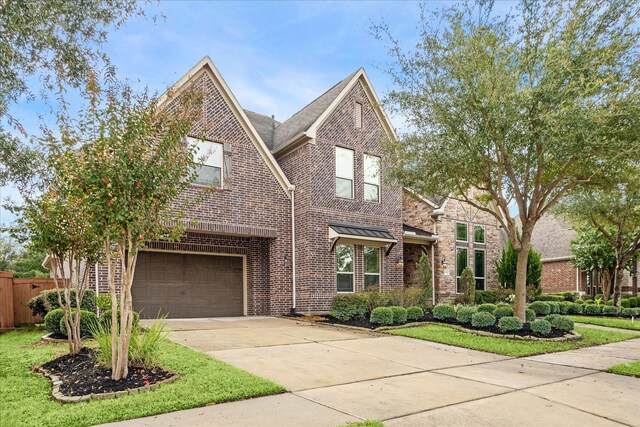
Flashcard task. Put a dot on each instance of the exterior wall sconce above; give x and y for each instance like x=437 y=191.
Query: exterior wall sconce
x=399 y=262
x=444 y=261
x=287 y=258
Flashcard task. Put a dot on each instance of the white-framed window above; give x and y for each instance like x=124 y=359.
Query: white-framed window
x=371 y=267
x=357 y=112
x=209 y=158
x=479 y=267
x=371 y=178
x=462 y=262
x=344 y=173
x=478 y=234
x=344 y=268
x=462 y=231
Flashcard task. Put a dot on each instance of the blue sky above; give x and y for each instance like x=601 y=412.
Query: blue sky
x=275 y=56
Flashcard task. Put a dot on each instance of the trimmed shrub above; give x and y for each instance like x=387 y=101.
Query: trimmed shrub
x=399 y=314
x=529 y=315
x=105 y=319
x=503 y=311
x=634 y=302
x=463 y=314
x=564 y=307
x=103 y=302
x=482 y=320
x=508 y=324
x=88 y=302
x=562 y=323
x=486 y=308
x=444 y=312
x=541 y=308
x=540 y=327
x=635 y=311
x=589 y=301
x=554 y=306
x=579 y=301
x=609 y=310
x=574 y=308
x=626 y=312
x=610 y=302
x=625 y=303
x=382 y=316
x=550 y=297
x=483 y=297
x=415 y=313
x=38 y=306
x=550 y=317
x=52 y=321
x=348 y=307
x=571 y=296
x=592 y=310
x=88 y=323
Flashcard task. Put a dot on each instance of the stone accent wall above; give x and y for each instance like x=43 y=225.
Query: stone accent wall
x=416 y=214
x=311 y=168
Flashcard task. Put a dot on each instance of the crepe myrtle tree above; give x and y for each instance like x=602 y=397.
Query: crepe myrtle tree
x=594 y=254
x=59 y=223
x=523 y=107
x=134 y=163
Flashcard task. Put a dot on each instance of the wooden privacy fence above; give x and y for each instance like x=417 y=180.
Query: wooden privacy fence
x=15 y=294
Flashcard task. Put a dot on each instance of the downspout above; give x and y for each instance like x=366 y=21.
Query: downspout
x=293 y=246
x=433 y=264
x=97 y=288
x=577 y=280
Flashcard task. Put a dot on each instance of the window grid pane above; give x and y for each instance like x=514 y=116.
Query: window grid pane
x=479 y=267
x=344 y=188
x=461 y=231
x=371 y=193
x=478 y=234
x=344 y=163
x=462 y=261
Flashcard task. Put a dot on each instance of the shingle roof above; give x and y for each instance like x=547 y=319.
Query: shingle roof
x=265 y=126
x=358 y=230
x=303 y=119
x=552 y=237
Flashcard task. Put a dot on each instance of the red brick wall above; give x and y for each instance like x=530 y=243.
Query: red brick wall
x=312 y=169
x=559 y=276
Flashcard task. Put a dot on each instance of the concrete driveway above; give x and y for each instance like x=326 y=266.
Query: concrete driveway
x=336 y=376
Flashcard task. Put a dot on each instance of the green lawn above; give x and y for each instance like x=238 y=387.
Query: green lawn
x=509 y=347
x=24 y=395
x=612 y=322
x=631 y=369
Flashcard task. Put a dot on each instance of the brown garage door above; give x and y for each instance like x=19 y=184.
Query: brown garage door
x=183 y=285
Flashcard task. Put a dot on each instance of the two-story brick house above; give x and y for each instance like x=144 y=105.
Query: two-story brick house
x=302 y=212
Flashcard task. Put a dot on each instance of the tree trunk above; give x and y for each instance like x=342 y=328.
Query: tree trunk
x=617 y=286
x=520 y=304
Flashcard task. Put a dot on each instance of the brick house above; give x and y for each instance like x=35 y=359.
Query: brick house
x=302 y=212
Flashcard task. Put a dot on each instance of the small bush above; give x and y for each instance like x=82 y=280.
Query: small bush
x=635 y=312
x=463 y=314
x=444 y=312
x=38 y=306
x=610 y=302
x=589 y=301
x=486 y=308
x=88 y=301
x=103 y=302
x=52 y=321
x=503 y=311
x=571 y=296
x=551 y=317
x=373 y=299
x=634 y=302
x=105 y=319
x=529 y=315
x=382 y=316
x=609 y=310
x=554 y=306
x=348 y=307
x=88 y=323
x=550 y=297
x=593 y=310
x=415 y=313
x=541 y=327
x=399 y=314
x=482 y=320
x=574 y=308
x=564 y=307
x=483 y=297
x=541 y=308
x=579 y=301
x=626 y=312
x=625 y=303
x=562 y=323
x=508 y=324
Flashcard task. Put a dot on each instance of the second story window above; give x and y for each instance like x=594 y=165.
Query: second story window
x=209 y=160
x=371 y=178
x=478 y=233
x=461 y=232
x=344 y=173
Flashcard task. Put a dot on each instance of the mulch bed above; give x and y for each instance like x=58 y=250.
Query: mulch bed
x=82 y=375
x=364 y=323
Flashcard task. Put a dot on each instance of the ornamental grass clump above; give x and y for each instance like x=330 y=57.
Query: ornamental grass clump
x=486 y=308
x=399 y=315
x=444 y=312
x=541 y=308
x=509 y=324
x=540 y=327
x=415 y=313
x=463 y=314
x=381 y=316
x=482 y=320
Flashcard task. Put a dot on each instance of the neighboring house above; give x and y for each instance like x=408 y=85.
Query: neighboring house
x=455 y=235
x=302 y=212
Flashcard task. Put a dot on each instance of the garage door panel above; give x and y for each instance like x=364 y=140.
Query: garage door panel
x=184 y=285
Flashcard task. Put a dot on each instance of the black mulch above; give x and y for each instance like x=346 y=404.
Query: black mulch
x=524 y=332
x=82 y=375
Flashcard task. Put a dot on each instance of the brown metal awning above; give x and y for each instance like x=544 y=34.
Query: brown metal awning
x=361 y=234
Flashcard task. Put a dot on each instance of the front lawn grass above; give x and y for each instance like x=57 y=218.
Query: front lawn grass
x=509 y=347
x=631 y=369
x=612 y=322
x=25 y=401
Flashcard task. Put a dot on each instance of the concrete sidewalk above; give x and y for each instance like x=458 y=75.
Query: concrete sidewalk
x=337 y=376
